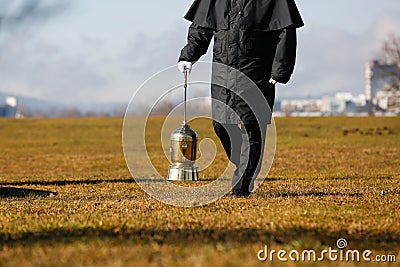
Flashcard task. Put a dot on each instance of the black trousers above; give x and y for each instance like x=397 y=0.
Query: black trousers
x=244 y=147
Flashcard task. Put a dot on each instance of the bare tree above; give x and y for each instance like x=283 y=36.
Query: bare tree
x=390 y=54
x=390 y=50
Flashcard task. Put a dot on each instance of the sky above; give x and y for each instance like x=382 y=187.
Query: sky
x=96 y=51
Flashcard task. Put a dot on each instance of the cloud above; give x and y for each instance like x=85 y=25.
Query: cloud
x=386 y=24
x=33 y=67
x=328 y=61
x=17 y=15
x=145 y=55
x=148 y=54
x=331 y=60
x=41 y=70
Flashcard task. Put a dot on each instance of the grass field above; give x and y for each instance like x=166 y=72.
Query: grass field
x=68 y=199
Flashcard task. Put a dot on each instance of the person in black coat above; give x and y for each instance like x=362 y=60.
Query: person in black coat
x=256 y=38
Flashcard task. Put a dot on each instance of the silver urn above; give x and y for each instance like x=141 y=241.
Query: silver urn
x=183 y=155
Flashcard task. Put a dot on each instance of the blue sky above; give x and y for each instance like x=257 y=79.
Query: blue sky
x=91 y=51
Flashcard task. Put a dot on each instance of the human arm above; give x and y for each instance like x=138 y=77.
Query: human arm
x=198 y=40
x=285 y=56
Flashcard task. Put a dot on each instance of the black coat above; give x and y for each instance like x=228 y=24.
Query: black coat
x=249 y=36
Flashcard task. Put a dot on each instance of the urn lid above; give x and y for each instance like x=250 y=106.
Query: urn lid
x=184 y=133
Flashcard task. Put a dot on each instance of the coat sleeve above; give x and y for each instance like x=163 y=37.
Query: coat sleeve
x=198 y=40
x=285 y=56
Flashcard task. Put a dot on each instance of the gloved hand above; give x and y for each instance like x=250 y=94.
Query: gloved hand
x=183 y=64
x=272 y=81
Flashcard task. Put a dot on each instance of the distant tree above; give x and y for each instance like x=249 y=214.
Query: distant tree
x=390 y=54
x=163 y=108
x=390 y=50
x=71 y=113
x=90 y=114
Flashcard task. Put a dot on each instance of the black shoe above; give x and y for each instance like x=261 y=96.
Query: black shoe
x=233 y=195
x=236 y=193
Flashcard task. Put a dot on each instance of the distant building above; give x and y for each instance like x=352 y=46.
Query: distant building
x=301 y=105
x=382 y=97
x=9 y=109
x=333 y=106
x=344 y=103
x=388 y=100
x=380 y=77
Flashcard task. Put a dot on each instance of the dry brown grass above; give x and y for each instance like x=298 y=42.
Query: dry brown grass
x=67 y=198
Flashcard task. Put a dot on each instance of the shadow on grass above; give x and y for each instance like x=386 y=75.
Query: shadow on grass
x=69 y=182
x=305 y=194
x=12 y=192
x=98 y=181
x=297 y=237
x=266 y=193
